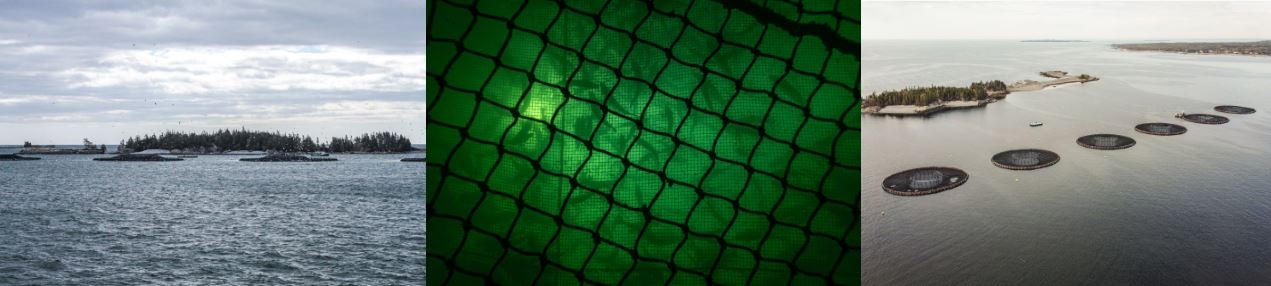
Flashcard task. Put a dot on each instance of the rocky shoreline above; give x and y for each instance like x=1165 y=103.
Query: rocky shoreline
x=907 y=110
x=138 y=158
x=287 y=158
x=15 y=157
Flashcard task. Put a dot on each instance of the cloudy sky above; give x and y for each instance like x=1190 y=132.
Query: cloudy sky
x=1086 y=20
x=106 y=70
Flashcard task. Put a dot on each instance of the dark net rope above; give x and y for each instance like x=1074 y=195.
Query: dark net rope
x=643 y=142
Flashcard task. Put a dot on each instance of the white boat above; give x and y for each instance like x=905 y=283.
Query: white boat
x=1035 y=123
x=320 y=154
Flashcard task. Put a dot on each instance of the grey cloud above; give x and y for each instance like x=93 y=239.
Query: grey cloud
x=98 y=67
x=1088 y=20
x=393 y=26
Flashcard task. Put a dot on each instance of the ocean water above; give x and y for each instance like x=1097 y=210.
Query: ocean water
x=1190 y=209
x=212 y=220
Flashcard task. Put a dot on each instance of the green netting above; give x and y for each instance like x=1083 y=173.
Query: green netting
x=657 y=142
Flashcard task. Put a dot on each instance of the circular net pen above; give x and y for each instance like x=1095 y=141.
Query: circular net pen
x=1205 y=118
x=1025 y=159
x=1234 y=109
x=924 y=181
x=1105 y=141
x=1160 y=128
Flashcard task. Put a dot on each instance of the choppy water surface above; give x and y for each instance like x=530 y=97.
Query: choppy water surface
x=67 y=220
x=1189 y=209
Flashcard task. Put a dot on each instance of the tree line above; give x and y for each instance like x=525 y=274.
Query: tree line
x=928 y=95
x=232 y=140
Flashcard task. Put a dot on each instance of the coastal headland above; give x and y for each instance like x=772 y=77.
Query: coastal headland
x=929 y=100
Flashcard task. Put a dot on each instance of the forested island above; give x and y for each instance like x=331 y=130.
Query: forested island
x=244 y=140
x=935 y=94
x=927 y=100
x=1236 y=48
x=924 y=100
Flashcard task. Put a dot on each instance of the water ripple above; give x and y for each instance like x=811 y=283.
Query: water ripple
x=211 y=221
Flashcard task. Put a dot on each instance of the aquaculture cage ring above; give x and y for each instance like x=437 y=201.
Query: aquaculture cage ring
x=1234 y=109
x=1025 y=159
x=1205 y=118
x=924 y=181
x=1160 y=128
x=1105 y=141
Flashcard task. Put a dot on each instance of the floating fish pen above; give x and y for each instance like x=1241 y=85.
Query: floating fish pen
x=1234 y=109
x=15 y=157
x=286 y=158
x=1105 y=141
x=414 y=160
x=924 y=181
x=1159 y=128
x=1025 y=159
x=1204 y=118
x=138 y=158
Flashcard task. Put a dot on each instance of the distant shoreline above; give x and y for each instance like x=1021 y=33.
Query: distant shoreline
x=1260 y=48
x=1054 y=41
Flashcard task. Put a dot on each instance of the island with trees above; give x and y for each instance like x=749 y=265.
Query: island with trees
x=929 y=100
x=226 y=140
x=1218 y=48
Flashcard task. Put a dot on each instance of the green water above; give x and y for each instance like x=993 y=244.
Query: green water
x=620 y=142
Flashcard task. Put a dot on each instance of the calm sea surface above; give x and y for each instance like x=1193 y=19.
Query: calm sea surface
x=1192 y=209
x=212 y=220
